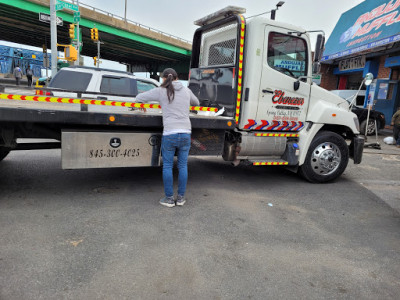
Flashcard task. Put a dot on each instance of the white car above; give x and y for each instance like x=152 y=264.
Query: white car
x=99 y=84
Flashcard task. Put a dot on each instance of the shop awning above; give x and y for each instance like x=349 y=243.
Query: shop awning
x=371 y=24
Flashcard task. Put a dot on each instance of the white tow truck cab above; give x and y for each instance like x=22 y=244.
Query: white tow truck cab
x=260 y=71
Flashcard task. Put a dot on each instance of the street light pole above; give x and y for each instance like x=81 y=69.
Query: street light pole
x=53 y=34
x=125 y=9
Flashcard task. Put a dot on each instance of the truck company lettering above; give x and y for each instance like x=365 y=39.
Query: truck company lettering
x=279 y=98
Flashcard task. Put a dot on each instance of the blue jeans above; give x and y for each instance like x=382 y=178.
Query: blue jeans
x=179 y=142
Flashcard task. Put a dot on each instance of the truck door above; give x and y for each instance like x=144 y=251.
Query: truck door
x=280 y=106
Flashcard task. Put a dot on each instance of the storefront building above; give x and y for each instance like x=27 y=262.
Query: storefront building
x=366 y=39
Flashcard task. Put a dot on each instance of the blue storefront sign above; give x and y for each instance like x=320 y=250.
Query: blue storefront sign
x=371 y=24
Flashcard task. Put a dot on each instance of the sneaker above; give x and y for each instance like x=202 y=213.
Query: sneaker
x=180 y=200
x=168 y=201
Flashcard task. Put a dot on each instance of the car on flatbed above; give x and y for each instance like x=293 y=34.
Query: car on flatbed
x=99 y=84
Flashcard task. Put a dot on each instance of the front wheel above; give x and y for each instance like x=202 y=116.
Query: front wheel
x=326 y=158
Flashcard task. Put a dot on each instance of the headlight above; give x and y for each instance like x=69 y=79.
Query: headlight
x=357 y=123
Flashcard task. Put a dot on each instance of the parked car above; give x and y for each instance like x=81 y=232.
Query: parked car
x=362 y=112
x=102 y=84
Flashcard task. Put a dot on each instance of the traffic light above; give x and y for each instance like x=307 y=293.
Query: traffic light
x=95 y=60
x=72 y=31
x=94 y=34
x=70 y=53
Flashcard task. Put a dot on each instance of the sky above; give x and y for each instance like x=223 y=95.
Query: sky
x=176 y=17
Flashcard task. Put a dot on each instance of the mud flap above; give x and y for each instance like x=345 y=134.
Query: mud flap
x=356 y=149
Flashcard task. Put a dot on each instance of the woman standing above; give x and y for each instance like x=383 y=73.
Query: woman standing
x=175 y=101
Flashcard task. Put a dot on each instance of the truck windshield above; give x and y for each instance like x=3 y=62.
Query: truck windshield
x=287 y=54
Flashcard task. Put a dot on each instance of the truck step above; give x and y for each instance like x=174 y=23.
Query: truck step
x=275 y=162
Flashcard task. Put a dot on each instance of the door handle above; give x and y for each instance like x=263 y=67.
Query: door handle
x=102 y=98
x=268 y=90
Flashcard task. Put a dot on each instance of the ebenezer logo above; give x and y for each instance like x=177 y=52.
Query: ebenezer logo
x=279 y=98
x=115 y=142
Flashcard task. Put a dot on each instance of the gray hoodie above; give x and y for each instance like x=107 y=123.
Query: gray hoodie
x=176 y=113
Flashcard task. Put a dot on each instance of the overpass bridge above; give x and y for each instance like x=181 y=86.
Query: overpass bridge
x=140 y=47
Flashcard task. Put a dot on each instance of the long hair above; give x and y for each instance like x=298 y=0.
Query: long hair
x=170 y=75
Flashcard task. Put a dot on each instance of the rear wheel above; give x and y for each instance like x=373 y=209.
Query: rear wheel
x=326 y=158
x=370 y=128
x=3 y=152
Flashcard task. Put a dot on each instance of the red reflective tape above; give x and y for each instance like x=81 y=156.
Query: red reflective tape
x=10 y=97
x=23 y=97
x=82 y=101
x=59 y=100
x=71 y=100
x=35 y=98
x=151 y=105
x=103 y=102
x=93 y=102
x=113 y=103
x=47 y=99
x=123 y=104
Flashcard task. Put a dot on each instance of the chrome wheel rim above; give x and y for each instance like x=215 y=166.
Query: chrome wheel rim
x=325 y=159
x=371 y=127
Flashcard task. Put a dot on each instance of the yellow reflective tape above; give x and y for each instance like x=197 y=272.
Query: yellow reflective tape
x=96 y=102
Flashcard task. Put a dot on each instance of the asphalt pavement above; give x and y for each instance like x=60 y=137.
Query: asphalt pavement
x=245 y=232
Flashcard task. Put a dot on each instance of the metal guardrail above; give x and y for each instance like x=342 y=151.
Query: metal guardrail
x=130 y=21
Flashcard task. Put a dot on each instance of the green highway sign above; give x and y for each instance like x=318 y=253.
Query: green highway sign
x=61 y=5
x=77 y=17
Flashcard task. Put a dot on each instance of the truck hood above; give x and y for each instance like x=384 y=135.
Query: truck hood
x=327 y=108
x=320 y=93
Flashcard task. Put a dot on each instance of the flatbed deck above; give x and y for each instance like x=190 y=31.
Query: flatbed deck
x=24 y=112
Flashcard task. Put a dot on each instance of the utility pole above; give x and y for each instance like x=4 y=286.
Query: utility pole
x=98 y=54
x=125 y=9
x=78 y=37
x=53 y=34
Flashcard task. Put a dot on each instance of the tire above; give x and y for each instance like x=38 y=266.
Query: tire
x=3 y=152
x=326 y=159
x=371 y=126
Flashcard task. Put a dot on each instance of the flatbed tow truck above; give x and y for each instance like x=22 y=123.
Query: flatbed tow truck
x=257 y=71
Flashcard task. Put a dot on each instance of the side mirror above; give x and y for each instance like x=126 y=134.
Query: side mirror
x=319 y=47
x=316 y=68
x=368 y=79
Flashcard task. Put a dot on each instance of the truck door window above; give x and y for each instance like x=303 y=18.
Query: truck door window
x=144 y=86
x=218 y=46
x=118 y=86
x=287 y=54
x=71 y=80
